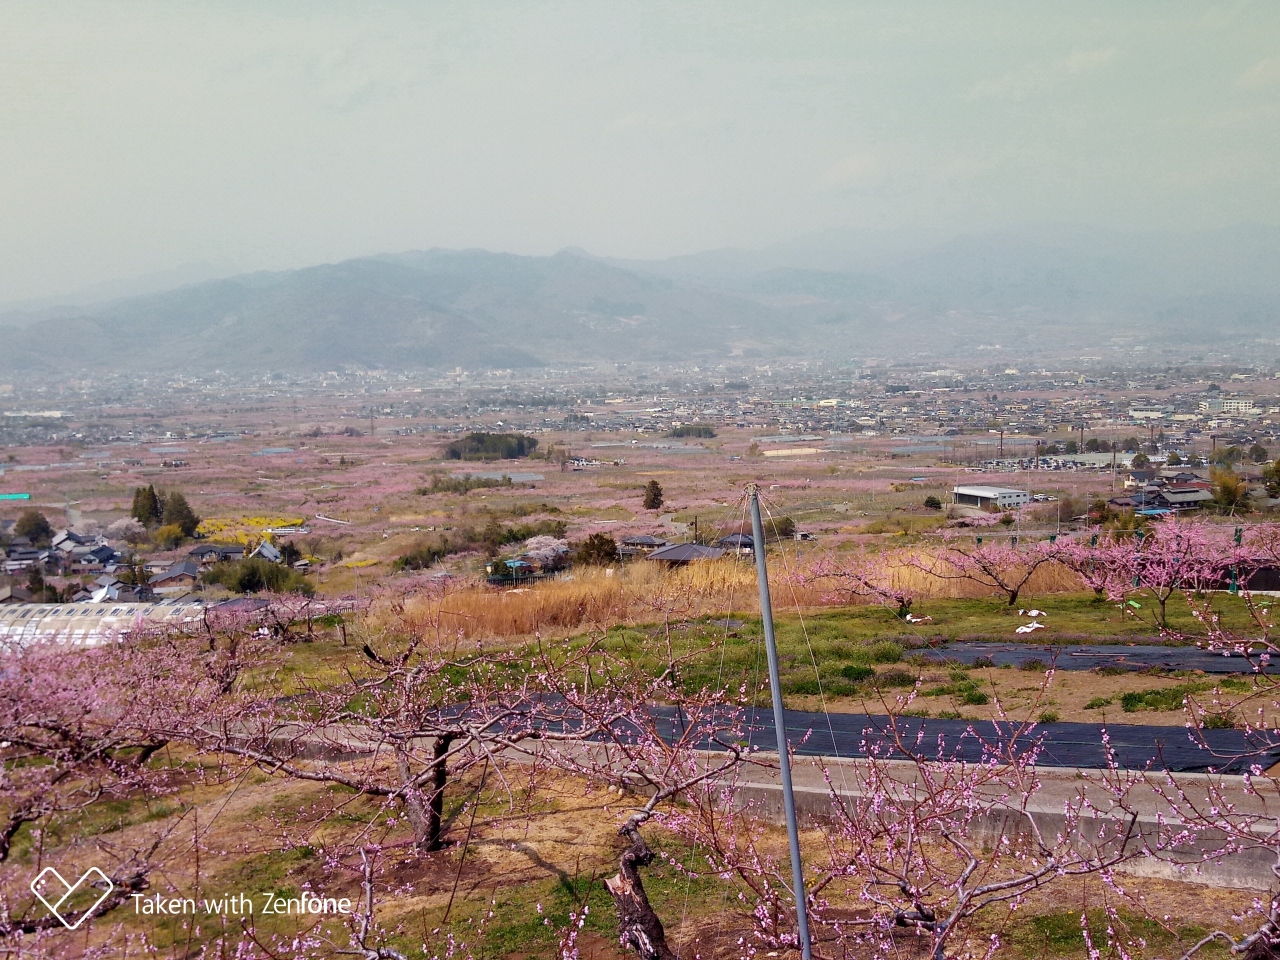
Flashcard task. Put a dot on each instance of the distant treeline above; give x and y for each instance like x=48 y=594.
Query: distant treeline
x=491 y=446
x=702 y=430
x=443 y=484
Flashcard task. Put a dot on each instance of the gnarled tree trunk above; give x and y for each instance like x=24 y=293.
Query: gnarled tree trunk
x=638 y=924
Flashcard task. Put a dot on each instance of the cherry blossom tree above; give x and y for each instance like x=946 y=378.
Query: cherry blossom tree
x=999 y=565
x=1174 y=556
x=128 y=529
x=853 y=577
x=920 y=842
x=83 y=724
x=1100 y=560
x=424 y=710
x=1241 y=815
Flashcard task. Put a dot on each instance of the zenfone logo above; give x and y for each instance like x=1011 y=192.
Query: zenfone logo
x=63 y=891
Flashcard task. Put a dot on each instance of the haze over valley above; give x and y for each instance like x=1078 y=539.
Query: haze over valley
x=1032 y=293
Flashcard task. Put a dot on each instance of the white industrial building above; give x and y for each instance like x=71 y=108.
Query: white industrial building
x=1001 y=498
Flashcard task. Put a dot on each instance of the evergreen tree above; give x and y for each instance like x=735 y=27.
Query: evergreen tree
x=599 y=550
x=147 y=508
x=653 y=495
x=179 y=513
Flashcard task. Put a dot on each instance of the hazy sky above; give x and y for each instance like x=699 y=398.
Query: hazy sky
x=138 y=136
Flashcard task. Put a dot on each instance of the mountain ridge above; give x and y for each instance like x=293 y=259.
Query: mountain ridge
x=1031 y=289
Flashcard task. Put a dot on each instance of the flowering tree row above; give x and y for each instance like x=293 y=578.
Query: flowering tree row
x=435 y=736
x=1171 y=556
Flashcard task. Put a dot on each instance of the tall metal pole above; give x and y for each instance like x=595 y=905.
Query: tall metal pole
x=779 y=724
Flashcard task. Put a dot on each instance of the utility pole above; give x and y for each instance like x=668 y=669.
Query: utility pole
x=780 y=730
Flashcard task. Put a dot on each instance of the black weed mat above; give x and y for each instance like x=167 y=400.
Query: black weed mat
x=1078 y=656
x=1061 y=744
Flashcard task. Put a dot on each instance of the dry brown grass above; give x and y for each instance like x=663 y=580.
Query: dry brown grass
x=595 y=598
x=910 y=579
x=592 y=598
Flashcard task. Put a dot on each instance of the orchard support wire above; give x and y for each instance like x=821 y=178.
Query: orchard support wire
x=779 y=724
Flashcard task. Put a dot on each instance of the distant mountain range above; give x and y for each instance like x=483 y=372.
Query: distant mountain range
x=1035 y=291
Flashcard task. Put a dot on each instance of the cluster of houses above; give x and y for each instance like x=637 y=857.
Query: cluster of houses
x=1165 y=492
x=71 y=554
x=1149 y=493
x=538 y=564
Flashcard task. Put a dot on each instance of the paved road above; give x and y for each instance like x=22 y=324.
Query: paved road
x=1087 y=656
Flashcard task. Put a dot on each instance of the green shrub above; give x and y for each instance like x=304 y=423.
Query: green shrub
x=896 y=678
x=169 y=536
x=950 y=715
x=1048 y=716
x=1097 y=703
x=974 y=698
x=255 y=575
x=1167 y=698
x=883 y=651
x=802 y=685
x=425 y=554
x=856 y=673
x=599 y=550
x=1034 y=665
x=495 y=535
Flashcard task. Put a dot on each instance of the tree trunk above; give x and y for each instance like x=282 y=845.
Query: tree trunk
x=426 y=818
x=638 y=925
x=8 y=831
x=435 y=804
